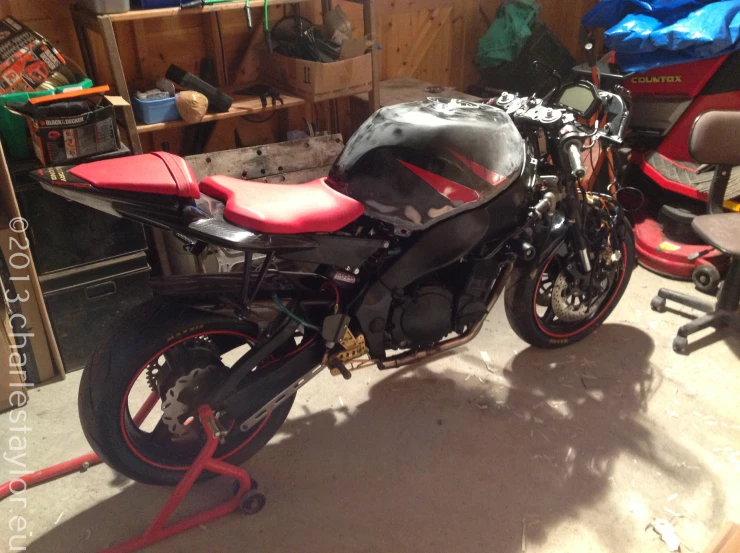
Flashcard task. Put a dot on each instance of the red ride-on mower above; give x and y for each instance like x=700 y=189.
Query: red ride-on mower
x=666 y=102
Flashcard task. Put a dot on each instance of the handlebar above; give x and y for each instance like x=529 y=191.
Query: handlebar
x=573 y=150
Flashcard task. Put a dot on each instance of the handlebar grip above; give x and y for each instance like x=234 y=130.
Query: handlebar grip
x=574 y=157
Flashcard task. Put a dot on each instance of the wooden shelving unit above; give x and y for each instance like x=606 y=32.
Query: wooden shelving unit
x=103 y=25
x=243 y=105
x=134 y=15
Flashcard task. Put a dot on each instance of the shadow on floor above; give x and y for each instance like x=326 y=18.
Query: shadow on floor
x=434 y=462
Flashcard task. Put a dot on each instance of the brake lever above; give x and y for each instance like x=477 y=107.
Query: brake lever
x=610 y=139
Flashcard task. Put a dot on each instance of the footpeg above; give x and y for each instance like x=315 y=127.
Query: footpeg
x=335 y=363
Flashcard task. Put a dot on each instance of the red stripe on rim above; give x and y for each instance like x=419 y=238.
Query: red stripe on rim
x=138 y=374
x=594 y=319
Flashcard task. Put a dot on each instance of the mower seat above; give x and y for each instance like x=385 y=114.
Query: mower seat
x=715 y=138
x=155 y=173
x=283 y=208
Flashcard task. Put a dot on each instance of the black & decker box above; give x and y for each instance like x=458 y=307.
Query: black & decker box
x=71 y=126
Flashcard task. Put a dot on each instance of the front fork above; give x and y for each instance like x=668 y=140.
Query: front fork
x=573 y=211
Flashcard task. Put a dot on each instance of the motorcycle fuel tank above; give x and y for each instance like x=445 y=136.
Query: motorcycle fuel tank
x=413 y=165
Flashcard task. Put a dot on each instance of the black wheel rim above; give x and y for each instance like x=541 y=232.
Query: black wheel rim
x=152 y=441
x=544 y=313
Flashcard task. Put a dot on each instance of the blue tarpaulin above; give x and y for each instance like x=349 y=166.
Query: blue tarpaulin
x=647 y=34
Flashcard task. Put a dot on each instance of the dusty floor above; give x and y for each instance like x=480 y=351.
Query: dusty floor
x=583 y=447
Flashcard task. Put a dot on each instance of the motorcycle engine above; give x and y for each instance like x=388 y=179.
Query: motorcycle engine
x=422 y=317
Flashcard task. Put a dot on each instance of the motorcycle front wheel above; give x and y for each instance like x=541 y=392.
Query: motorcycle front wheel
x=546 y=306
x=165 y=357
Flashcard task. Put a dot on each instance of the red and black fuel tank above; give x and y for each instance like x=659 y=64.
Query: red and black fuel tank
x=413 y=165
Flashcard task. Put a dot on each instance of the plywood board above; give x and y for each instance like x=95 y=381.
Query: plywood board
x=271 y=159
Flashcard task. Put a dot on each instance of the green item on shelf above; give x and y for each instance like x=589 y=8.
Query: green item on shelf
x=14 y=128
x=508 y=33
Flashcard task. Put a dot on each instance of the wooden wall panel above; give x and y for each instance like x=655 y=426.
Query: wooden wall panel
x=566 y=22
x=434 y=40
x=417 y=37
x=448 y=59
x=451 y=52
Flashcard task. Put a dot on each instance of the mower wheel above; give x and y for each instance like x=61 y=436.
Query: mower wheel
x=706 y=279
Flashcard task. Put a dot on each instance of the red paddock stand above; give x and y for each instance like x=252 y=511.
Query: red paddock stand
x=246 y=498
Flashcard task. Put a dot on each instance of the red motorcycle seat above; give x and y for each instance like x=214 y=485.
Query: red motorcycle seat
x=283 y=208
x=155 y=173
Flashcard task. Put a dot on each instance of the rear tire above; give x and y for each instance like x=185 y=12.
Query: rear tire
x=141 y=336
x=521 y=300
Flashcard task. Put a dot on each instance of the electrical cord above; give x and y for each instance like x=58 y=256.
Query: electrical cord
x=288 y=313
x=251 y=118
x=221 y=41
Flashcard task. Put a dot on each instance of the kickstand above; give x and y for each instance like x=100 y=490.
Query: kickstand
x=245 y=497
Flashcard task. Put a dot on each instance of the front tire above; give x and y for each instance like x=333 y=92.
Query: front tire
x=120 y=366
x=525 y=296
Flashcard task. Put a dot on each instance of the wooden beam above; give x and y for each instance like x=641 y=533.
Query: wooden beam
x=9 y=204
x=142 y=50
x=371 y=30
x=174 y=12
x=114 y=56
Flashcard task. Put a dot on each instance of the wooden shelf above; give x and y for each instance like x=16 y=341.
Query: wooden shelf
x=134 y=15
x=243 y=105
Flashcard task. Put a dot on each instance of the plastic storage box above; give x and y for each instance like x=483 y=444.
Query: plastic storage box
x=155 y=111
x=106 y=6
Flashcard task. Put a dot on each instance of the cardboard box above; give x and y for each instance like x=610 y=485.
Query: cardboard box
x=41 y=366
x=315 y=81
x=9 y=381
x=26 y=58
x=60 y=140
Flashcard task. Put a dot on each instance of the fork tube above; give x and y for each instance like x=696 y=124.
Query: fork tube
x=573 y=210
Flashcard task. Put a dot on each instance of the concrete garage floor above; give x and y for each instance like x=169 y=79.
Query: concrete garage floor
x=584 y=446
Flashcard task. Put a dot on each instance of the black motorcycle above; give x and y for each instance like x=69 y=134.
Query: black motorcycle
x=431 y=212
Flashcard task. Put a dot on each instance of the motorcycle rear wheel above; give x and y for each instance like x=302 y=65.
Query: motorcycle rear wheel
x=118 y=370
x=525 y=298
